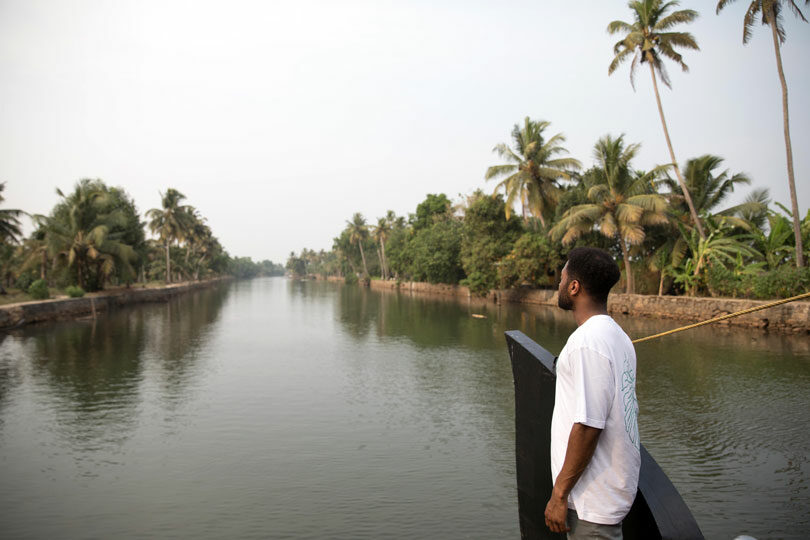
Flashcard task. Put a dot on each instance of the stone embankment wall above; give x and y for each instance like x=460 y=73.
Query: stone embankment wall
x=13 y=315
x=792 y=318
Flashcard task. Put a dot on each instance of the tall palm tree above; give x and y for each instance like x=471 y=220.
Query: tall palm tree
x=532 y=172
x=648 y=41
x=380 y=234
x=358 y=232
x=622 y=201
x=10 y=225
x=769 y=12
x=171 y=222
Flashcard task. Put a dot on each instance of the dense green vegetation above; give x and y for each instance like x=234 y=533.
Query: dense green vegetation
x=667 y=226
x=94 y=238
x=639 y=216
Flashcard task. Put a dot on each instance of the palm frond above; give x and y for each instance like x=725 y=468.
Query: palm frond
x=627 y=213
x=750 y=20
x=616 y=27
x=620 y=56
x=683 y=16
x=498 y=170
x=607 y=225
x=632 y=233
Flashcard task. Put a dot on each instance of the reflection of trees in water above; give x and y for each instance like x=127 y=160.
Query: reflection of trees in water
x=355 y=312
x=310 y=290
x=450 y=378
x=91 y=371
x=10 y=376
x=177 y=335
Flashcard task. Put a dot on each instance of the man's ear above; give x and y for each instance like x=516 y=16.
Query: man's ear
x=574 y=287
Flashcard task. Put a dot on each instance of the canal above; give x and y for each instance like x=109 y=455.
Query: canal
x=279 y=409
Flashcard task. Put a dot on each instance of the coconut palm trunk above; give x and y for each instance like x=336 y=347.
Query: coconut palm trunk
x=363 y=256
x=788 y=148
x=386 y=273
x=681 y=181
x=661 y=276
x=168 y=265
x=629 y=289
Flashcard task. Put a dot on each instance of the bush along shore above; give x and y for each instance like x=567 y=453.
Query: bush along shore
x=66 y=308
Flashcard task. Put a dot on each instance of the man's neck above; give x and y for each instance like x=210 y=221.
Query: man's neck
x=584 y=312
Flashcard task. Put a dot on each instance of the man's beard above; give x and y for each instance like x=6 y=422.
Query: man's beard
x=564 y=300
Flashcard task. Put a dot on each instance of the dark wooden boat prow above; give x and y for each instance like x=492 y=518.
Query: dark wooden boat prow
x=658 y=511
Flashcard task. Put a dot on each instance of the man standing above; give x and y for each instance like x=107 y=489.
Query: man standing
x=595 y=457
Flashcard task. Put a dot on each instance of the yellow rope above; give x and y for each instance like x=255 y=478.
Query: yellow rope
x=724 y=317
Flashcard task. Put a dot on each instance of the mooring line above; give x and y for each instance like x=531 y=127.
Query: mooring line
x=724 y=317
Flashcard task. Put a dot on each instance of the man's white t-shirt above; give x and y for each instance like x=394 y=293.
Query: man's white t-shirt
x=596 y=386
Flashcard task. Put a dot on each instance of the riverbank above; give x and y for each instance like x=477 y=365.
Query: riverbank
x=792 y=318
x=36 y=311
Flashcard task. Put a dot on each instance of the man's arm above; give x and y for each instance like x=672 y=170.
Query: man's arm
x=581 y=445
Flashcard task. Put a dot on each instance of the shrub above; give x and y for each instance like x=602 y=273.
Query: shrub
x=24 y=281
x=74 y=291
x=38 y=290
x=780 y=283
x=434 y=253
x=532 y=261
x=351 y=278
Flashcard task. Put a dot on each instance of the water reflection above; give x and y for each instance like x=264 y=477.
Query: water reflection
x=177 y=333
x=90 y=374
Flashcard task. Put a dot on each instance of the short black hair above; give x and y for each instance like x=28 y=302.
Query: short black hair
x=595 y=269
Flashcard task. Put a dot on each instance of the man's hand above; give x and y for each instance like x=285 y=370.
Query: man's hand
x=581 y=445
x=556 y=512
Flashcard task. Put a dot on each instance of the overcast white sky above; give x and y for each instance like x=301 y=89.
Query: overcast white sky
x=278 y=120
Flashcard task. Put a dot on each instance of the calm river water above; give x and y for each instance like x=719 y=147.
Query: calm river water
x=279 y=409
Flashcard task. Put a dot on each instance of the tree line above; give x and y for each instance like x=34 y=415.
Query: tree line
x=665 y=225
x=94 y=237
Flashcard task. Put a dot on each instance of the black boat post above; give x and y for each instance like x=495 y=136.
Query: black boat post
x=658 y=511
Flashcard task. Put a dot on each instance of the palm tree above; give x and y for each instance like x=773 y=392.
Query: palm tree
x=622 y=202
x=358 y=232
x=770 y=14
x=171 y=222
x=720 y=247
x=200 y=244
x=35 y=250
x=10 y=225
x=754 y=208
x=380 y=234
x=774 y=246
x=532 y=171
x=82 y=233
x=648 y=41
x=708 y=189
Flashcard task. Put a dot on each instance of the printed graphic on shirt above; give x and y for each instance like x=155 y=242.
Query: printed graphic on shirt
x=630 y=402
